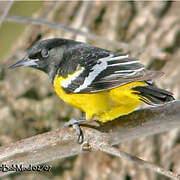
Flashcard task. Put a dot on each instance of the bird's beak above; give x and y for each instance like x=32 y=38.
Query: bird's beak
x=24 y=62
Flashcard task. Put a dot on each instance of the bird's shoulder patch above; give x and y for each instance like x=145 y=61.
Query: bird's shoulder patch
x=67 y=81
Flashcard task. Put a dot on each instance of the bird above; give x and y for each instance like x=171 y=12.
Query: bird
x=103 y=84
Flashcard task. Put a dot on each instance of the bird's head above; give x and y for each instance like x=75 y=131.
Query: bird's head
x=45 y=55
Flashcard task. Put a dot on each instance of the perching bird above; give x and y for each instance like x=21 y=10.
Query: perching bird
x=102 y=83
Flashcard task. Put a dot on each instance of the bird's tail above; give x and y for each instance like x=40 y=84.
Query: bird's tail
x=153 y=95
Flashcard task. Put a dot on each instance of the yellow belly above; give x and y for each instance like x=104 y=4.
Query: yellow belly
x=105 y=105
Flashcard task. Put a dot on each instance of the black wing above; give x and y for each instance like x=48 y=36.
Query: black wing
x=98 y=70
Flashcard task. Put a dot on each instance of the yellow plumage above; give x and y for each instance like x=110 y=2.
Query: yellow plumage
x=92 y=87
x=105 y=105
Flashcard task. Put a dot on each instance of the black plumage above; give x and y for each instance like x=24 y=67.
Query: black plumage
x=153 y=95
x=97 y=69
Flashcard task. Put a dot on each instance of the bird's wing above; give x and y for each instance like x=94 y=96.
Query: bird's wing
x=100 y=70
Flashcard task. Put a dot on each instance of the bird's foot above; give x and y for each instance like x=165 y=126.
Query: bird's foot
x=75 y=123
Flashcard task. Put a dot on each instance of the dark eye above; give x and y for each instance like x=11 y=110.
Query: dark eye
x=44 y=53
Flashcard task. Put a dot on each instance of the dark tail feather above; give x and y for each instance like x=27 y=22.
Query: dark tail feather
x=153 y=95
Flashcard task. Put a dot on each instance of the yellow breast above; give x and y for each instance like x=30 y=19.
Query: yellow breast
x=105 y=105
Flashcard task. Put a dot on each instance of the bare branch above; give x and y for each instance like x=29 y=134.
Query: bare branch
x=116 y=152
x=39 y=21
x=62 y=142
x=148 y=121
x=5 y=10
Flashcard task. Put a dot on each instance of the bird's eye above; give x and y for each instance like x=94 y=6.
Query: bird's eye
x=44 y=53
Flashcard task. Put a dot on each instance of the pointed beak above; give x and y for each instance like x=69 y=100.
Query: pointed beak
x=23 y=62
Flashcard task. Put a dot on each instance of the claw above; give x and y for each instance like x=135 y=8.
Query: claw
x=79 y=132
x=75 y=124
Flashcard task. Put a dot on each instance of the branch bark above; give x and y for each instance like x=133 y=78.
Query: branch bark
x=6 y=6
x=40 y=21
x=62 y=142
x=116 y=152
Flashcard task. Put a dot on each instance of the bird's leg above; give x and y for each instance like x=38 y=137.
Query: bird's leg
x=75 y=123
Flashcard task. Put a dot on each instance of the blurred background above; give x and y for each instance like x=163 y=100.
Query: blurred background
x=29 y=106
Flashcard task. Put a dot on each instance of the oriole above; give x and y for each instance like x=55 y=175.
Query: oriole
x=102 y=83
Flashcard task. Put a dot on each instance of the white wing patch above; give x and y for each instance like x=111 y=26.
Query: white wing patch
x=118 y=57
x=96 y=70
x=67 y=81
x=124 y=63
x=130 y=72
x=121 y=63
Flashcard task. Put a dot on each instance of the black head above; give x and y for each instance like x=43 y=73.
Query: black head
x=45 y=55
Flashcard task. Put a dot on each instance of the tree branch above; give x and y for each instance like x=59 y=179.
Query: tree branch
x=40 y=21
x=116 y=152
x=5 y=10
x=61 y=143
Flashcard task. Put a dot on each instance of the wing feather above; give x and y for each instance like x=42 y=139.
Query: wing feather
x=104 y=70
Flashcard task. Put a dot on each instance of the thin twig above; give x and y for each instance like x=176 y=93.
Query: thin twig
x=116 y=152
x=5 y=12
x=40 y=21
x=81 y=19
x=61 y=143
